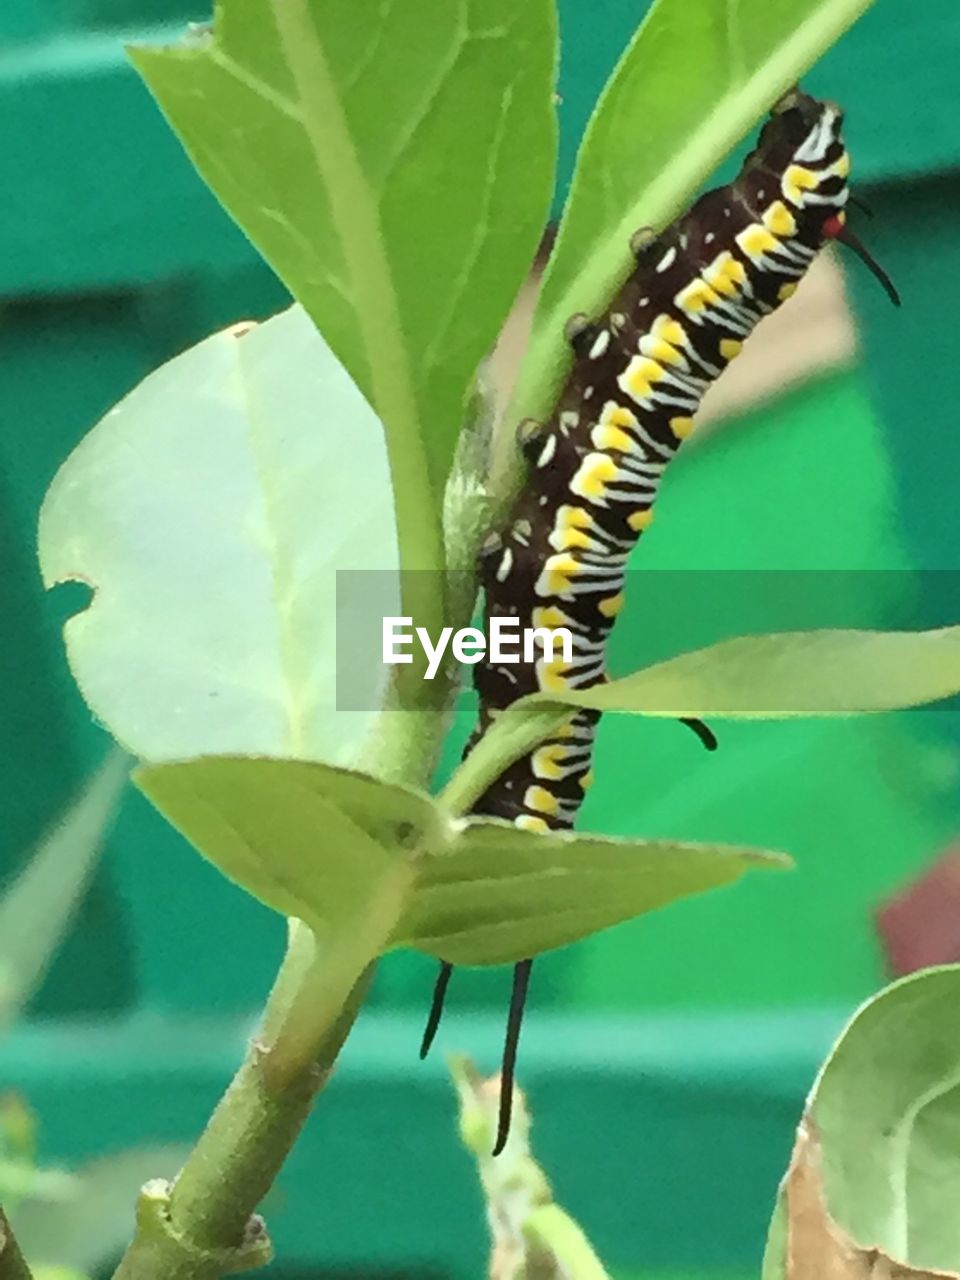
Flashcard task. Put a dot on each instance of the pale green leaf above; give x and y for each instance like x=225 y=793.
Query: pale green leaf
x=797 y=673
x=335 y=849
x=35 y=909
x=210 y=511
x=693 y=81
x=312 y=842
x=501 y=894
x=395 y=168
x=876 y=1168
x=22 y=1179
x=89 y=1224
x=794 y=673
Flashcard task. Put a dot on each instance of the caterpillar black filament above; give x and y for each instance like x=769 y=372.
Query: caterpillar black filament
x=639 y=374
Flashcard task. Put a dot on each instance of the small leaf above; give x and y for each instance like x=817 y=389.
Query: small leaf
x=692 y=82
x=875 y=1176
x=501 y=894
x=396 y=171
x=210 y=511
x=309 y=841
x=89 y=1227
x=21 y=1179
x=799 y=673
x=36 y=909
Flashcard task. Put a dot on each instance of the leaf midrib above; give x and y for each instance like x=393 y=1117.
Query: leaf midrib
x=355 y=216
x=601 y=271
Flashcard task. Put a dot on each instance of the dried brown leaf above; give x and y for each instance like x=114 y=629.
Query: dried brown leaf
x=817 y=1247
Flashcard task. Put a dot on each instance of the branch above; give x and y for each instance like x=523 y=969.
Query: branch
x=204 y=1226
x=13 y=1265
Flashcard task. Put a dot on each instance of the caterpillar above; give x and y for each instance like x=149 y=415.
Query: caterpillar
x=639 y=374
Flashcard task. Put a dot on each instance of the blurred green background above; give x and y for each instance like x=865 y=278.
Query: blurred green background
x=666 y=1060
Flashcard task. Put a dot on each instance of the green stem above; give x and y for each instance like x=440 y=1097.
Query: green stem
x=13 y=1265
x=516 y=731
x=204 y=1226
x=355 y=215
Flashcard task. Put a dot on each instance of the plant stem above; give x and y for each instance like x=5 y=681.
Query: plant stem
x=13 y=1265
x=203 y=1227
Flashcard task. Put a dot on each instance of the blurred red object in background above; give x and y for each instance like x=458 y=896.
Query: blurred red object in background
x=920 y=926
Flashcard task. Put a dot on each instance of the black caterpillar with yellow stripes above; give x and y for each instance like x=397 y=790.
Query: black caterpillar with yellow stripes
x=639 y=374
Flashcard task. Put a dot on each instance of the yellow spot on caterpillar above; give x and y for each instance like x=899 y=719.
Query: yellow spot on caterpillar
x=568 y=539
x=842 y=166
x=612 y=605
x=547 y=761
x=725 y=274
x=730 y=348
x=569 y=529
x=586 y=782
x=779 y=220
x=640 y=520
x=696 y=297
x=541 y=799
x=756 y=240
x=669 y=330
x=527 y=822
x=573 y=518
x=604 y=437
x=557 y=572
x=639 y=376
x=609 y=433
x=657 y=347
x=796 y=180
x=786 y=291
x=553 y=675
x=617 y=415
x=550 y=616
x=681 y=427
x=595 y=473
x=842 y=216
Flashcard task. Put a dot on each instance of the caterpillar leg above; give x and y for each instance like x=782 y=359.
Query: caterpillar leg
x=518 y=999
x=703 y=732
x=436 y=1007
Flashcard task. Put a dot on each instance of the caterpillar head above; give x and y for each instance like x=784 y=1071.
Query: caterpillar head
x=814 y=179
x=815 y=163
x=801 y=146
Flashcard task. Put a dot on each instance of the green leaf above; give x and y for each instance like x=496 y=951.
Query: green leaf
x=690 y=85
x=89 y=1223
x=501 y=894
x=36 y=909
x=396 y=170
x=312 y=842
x=794 y=673
x=798 y=673
x=346 y=853
x=20 y=1179
x=875 y=1174
x=210 y=511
